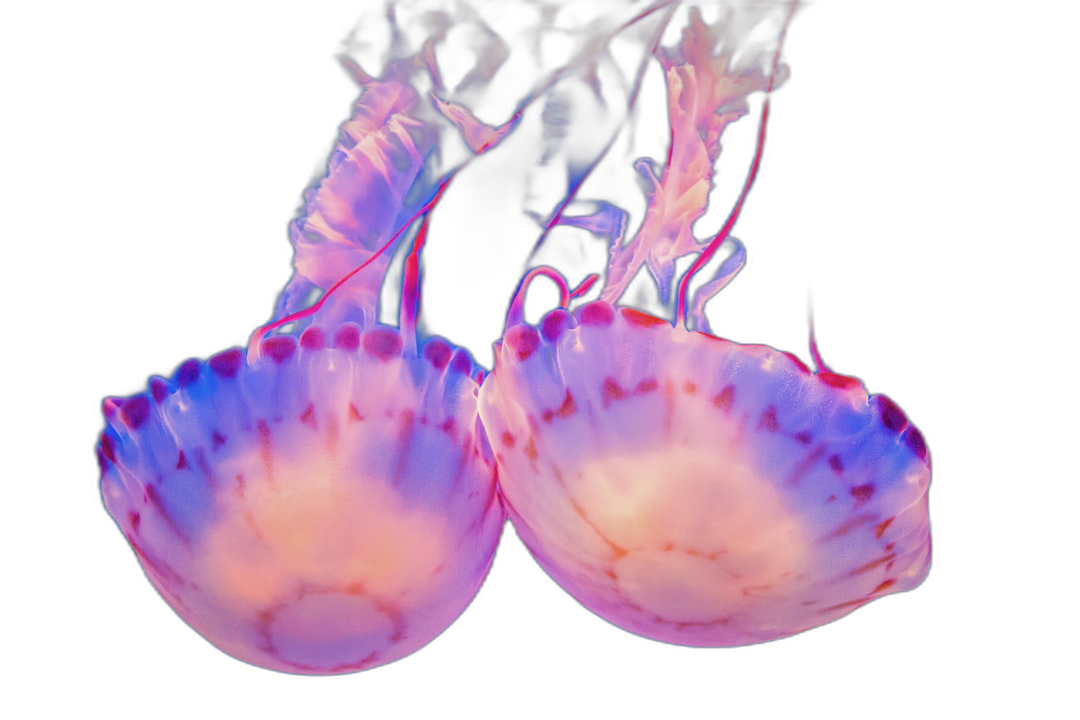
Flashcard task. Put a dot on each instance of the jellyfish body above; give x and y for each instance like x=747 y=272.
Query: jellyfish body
x=684 y=487
x=697 y=491
x=325 y=502
x=332 y=499
x=327 y=508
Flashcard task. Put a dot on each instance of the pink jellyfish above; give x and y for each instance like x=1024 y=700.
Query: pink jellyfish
x=458 y=313
x=679 y=485
x=327 y=502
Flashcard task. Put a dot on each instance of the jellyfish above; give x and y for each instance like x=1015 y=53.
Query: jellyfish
x=682 y=486
x=326 y=501
x=330 y=498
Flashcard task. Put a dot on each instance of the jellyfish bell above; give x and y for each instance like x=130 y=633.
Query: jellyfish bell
x=327 y=508
x=698 y=491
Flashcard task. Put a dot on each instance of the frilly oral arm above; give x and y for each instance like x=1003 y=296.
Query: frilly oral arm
x=704 y=95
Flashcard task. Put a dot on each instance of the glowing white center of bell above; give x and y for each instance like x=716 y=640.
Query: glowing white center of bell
x=702 y=533
x=321 y=524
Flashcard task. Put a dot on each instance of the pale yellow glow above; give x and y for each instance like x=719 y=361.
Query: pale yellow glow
x=320 y=525
x=694 y=530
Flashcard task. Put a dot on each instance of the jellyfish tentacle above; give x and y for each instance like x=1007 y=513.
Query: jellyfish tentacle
x=578 y=175
x=517 y=304
x=733 y=216
x=815 y=353
x=380 y=165
x=384 y=164
x=514 y=316
x=729 y=268
x=705 y=94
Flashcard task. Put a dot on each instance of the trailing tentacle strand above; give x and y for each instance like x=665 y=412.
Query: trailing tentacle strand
x=725 y=231
x=705 y=94
x=390 y=157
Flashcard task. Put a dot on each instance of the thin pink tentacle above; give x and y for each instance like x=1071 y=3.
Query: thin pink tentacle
x=815 y=354
x=584 y=287
x=517 y=306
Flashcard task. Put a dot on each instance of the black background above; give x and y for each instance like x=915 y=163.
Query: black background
x=205 y=131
